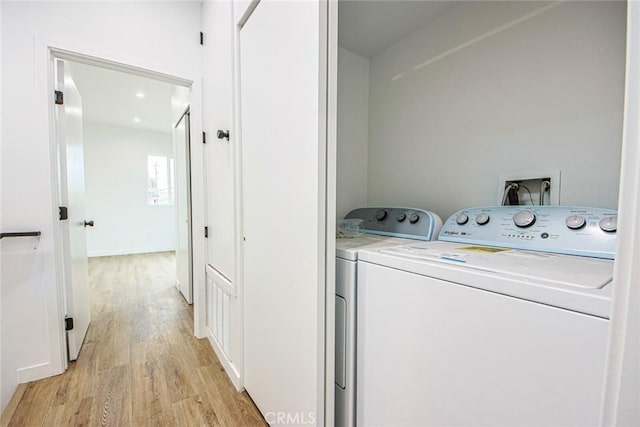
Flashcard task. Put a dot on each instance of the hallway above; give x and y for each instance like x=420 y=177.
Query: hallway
x=140 y=363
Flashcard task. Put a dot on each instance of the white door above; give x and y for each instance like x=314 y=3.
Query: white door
x=71 y=187
x=283 y=171
x=183 y=211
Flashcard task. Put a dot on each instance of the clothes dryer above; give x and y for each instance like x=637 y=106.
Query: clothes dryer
x=382 y=227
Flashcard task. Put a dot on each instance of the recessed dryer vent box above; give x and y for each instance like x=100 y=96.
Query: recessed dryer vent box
x=534 y=182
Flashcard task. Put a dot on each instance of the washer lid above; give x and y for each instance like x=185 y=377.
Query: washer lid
x=347 y=248
x=565 y=270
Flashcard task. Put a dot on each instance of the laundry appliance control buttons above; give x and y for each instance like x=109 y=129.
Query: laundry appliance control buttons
x=482 y=219
x=462 y=219
x=524 y=219
x=575 y=222
x=381 y=215
x=609 y=223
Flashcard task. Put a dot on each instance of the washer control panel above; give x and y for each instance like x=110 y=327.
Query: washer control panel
x=411 y=223
x=557 y=229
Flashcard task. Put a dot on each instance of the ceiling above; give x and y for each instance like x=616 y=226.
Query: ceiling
x=367 y=27
x=109 y=97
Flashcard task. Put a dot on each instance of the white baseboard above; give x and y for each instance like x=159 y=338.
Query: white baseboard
x=33 y=373
x=228 y=366
x=117 y=252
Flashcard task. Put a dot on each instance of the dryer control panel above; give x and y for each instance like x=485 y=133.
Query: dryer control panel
x=557 y=229
x=411 y=223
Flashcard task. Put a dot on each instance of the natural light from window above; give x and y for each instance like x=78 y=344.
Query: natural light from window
x=161 y=182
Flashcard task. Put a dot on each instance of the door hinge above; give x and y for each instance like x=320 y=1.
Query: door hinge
x=204 y=137
x=59 y=97
x=201 y=38
x=68 y=323
x=63 y=212
x=206 y=232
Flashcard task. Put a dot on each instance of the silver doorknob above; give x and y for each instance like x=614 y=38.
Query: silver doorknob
x=88 y=223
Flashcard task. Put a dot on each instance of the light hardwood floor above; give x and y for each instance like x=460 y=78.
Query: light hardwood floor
x=140 y=364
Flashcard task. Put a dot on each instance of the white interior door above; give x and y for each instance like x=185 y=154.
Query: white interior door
x=71 y=164
x=183 y=211
x=283 y=171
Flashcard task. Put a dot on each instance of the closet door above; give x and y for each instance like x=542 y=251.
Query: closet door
x=283 y=170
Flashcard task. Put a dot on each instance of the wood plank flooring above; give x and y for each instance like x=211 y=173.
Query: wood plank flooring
x=140 y=364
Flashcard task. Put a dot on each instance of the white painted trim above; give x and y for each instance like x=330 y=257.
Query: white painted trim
x=228 y=366
x=45 y=49
x=238 y=226
x=330 y=212
x=326 y=282
x=247 y=12
x=133 y=251
x=622 y=385
x=33 y=373
x=45 y=129
x=198 y=210
x=220 y=281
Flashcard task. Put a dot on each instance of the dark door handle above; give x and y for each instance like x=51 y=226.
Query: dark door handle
x=20 y=234
x=88 y=223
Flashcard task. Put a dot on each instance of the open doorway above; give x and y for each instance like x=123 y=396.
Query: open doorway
x=124 y=186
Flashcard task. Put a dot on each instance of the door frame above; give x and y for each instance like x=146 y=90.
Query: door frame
x=186 y=115
x=46 y=51
x=621 y=390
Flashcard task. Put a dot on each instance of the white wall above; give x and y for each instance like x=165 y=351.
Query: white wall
x=116 y=192
x=492 y=88
x=161 y=35
x=353 y=129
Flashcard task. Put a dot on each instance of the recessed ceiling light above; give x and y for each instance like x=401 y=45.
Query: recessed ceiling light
x=139 y=95
x=136 y=120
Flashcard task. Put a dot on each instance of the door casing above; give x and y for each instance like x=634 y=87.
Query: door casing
x=46 y=52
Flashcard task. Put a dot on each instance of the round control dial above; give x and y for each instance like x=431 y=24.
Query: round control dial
x=381 y=215
x=575 y=222
x=524 y=219
x=401 y=217
x=482 y=219
x=462 y=219
x=413 y=218
x=609 y=223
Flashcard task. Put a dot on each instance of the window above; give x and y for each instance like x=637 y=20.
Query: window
x=161 y=182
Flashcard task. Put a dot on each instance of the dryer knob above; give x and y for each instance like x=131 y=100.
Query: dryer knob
x=381 y=215
x=462 y=219
x=482 y=219
x=524 y=219
x=575 y=222
x=609 y=223
x=413 y=218
x=401 y=217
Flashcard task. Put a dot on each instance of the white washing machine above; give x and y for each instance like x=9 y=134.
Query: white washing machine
x=503 y=324
x=383 y=227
